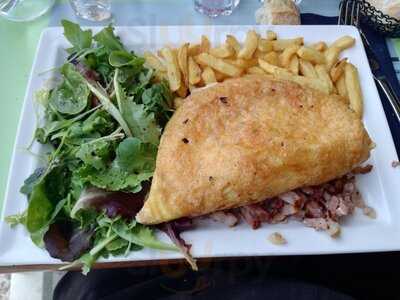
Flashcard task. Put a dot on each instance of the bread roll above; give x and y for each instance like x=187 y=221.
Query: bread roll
x=388 y=7
x=278 y=12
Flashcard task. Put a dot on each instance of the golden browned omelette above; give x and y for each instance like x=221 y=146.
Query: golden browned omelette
x=248 y=139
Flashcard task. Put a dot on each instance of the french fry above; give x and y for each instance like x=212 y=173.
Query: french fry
x=307 y=69
x=324 y=76
x=272 y=58
x=255 y=70
x=194 y=72
x=281 y=44
x=208 y=76
x=281 y=73
x=183 y=62
x=338 y=69
x=201 y=64
x=258 y=54
x=173 y=73
x=334 y=90
x=331 y=57
x=219 y=76
x=194 y=49
x=294 y=65
x=219 y=65
x=353 y=89
x=320 y=46
x=341 y=87
x=154 y=62
x=222 y=51
x=242 y=63
x=192 y=66
x=205 y=44
x=192 y=88
x=264 y=45
x=182 y=91
x=178 y=101
x=271 y=35
x=344 y=42
x=233 y=42
x=287 y=54
x=312 y=55
x=250 y=45
x=270 y=68
x=313 y=83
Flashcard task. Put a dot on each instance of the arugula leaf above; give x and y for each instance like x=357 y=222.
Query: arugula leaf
x=95 y=154
x=100 y=121
x=109 y=106
x=71 y=97
x=134 y=156
x=141 y=124
x=140 y=235
x=121 y=58
x=108 y=40
x=114 y=178
x=116 y=245
x=53 y=126
x=158 y=100
x=80 y=39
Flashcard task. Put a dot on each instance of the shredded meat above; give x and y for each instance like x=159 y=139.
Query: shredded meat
x=225 y=217
x=362 y=169
x=320 y=207
x=254 y=214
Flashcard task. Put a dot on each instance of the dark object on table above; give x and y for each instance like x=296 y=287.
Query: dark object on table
x=360 y=276
x=225 y=280
x=381 y=22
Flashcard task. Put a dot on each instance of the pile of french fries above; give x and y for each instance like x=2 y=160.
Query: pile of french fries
x=318 y=65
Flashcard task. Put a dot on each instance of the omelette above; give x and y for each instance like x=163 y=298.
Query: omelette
x=249 y=139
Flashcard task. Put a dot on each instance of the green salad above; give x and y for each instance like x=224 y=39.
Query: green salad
x=103 y=123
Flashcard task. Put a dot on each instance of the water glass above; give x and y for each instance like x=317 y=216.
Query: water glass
x=92 y=10
x=214 y=8
x=24 y=10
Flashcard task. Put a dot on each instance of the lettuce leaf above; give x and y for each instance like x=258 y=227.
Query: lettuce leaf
x=134 y=156
x=79 y=39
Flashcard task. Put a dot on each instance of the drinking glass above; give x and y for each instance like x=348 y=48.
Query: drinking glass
x=92 y=10
x=24 y=10
x=214 y=8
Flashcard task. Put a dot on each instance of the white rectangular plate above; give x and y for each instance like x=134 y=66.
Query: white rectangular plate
x=380 y=188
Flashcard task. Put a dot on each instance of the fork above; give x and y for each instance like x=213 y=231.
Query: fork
x=349 y=14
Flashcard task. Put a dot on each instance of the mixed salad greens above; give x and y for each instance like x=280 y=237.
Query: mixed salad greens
x=103 y=122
